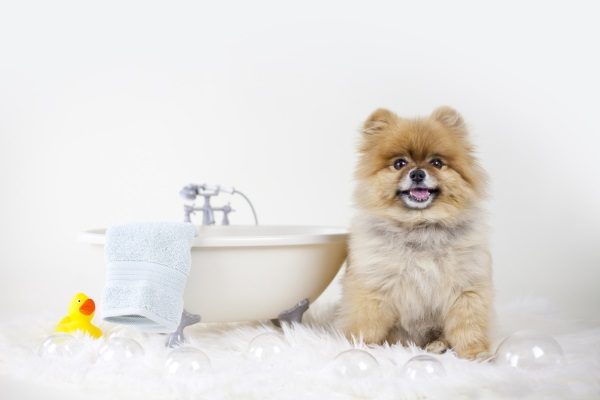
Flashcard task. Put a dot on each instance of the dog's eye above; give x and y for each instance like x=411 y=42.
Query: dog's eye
x=399 y=163
x=436 y=162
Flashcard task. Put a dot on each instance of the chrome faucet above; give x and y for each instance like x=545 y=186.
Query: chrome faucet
x=192 y=191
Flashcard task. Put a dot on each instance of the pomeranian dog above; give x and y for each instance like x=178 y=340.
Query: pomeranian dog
x=419 y=269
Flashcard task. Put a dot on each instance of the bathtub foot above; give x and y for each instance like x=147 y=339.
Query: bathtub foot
x=292 y=315
x=176 y=338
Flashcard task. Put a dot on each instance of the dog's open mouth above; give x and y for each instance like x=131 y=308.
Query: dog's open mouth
x=419 y=194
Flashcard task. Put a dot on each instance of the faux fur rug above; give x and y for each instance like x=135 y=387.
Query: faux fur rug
x=305 y=368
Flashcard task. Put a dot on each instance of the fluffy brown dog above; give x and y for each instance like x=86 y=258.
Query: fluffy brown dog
x=419 y=269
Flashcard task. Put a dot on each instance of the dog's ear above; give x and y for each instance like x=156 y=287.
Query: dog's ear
x=450 y=118
x=378 y=121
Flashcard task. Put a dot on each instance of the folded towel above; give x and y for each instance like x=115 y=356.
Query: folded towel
x=147 y=269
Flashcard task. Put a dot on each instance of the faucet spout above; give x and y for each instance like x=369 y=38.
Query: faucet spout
x=208 y=214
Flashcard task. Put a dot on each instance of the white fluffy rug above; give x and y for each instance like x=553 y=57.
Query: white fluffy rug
x=305 y=368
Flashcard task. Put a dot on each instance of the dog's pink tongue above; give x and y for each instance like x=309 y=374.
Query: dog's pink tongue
x=420 y=194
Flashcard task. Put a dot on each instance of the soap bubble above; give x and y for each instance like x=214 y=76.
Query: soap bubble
x=423 y=367
x=120 y=349
x=529 y=350
x=60 y=345
x=355 y=363
x=266 y=347
x=186 y=361
x=126 y=332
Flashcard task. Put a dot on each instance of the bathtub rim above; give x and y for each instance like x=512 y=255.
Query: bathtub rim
x=312 y=235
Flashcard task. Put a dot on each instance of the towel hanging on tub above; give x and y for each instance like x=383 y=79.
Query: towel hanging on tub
x=147 y=269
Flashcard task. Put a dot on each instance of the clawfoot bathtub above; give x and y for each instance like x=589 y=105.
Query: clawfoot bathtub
x=242 y=273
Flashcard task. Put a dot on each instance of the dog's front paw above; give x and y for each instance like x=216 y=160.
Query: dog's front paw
x=484 y=356
x=475 y=352
x=437 y=347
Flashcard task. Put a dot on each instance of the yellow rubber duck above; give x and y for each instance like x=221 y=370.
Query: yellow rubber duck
x=81 y=312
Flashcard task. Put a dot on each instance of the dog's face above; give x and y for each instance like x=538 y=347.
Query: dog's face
x=417 y=171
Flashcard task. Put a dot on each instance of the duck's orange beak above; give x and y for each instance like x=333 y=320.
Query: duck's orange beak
x=87 y=307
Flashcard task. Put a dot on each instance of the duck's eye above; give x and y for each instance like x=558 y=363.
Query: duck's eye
x=436 y=162
x=79 y=301
x=399 y=163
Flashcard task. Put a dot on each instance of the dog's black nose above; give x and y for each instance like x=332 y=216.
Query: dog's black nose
x=417 y=175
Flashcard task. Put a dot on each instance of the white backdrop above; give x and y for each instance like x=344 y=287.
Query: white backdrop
x=108 y=108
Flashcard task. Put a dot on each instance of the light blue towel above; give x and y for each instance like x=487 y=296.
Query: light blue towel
x=147 y=269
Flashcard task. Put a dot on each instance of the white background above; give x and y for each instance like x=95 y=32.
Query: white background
x=108 y=108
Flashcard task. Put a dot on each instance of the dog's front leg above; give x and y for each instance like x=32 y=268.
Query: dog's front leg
x=466 y=325
x=363 y=313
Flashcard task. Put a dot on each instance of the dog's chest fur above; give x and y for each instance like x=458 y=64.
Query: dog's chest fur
x=419 y=271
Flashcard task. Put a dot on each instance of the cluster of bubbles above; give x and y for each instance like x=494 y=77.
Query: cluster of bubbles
x=181 y=362
x=115 y=349
x=356 y=363
x=522 y=350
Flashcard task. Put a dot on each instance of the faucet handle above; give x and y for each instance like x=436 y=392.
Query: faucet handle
x=226 y=210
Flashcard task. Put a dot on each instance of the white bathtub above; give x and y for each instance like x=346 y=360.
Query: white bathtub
x=242 y=273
